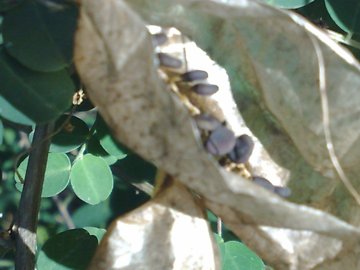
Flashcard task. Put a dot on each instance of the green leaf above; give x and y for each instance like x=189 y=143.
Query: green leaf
x=290 y=4
x=56 y=174
x=73 y=134
x=9 y=112
x=346 y=14
x=239 y=257
x=72 y=249
x=40 y=37
x=110 y=145
x=221 y=245
x=6 y=5
x=1 y=132
x=91 y=179
x=97 y=232
x=38 y=97
x=93 y=147
x=135 y=169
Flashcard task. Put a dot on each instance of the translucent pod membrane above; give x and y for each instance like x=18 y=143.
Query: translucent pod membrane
x=205 y=89
x=169 y=61
x=242 y=150
x=206 y=122
x=159 y=39
x=221 y=141
x=194 y=75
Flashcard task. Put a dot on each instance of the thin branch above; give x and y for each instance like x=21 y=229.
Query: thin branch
x=64 y=212
x=27 y=216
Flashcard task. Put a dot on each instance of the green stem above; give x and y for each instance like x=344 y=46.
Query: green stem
x=27 y=216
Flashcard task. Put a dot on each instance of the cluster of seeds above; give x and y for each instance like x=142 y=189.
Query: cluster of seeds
x=220 y=141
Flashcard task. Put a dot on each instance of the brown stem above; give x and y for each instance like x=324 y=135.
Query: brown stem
x=27 y=216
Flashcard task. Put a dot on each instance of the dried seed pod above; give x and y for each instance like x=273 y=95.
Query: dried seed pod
x=283 y=191
x=169 y=61
x=194 y=75
x=242 y=150
x=206 y=122
x=205 y=89
x=221 y=141
x=159 y=39
x=261 y=181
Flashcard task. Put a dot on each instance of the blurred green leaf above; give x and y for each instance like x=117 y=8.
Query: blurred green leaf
x=346 y=14
x=91 y=179
x=239 y=257
x=110 y=145
x=40 y=37
x=93 y=147
x=40 y=97
x=125 y=198
x=1 y=132
x=85 y=215
x=6 y=5
x=135 y=169
x=97 y=232
x=71 y=249
x=56 y=174
x=72 y=135
x=288 y=3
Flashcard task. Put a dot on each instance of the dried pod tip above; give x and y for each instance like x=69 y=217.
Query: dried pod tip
x=206 y=122
x=283 y=191
x=221 y=141
x=242 y=150
x=263 y=182
x=194 y=75
x=205 y=89
x=169 y=61
x=159 y=39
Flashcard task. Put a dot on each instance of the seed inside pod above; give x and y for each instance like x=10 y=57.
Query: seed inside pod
x=242 y=150
x=194 y=75
x=206 y=122
x=169 y=61
x=283 y=191
x=221 y=141
x=159 y=39
x=261 y=181
x=205 y=89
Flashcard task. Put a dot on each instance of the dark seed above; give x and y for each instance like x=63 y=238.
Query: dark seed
x=261 y=181
x=159 y=39
x=242 y=150
x=169 y=61
x=206 y=122
x=221 y=141
x=283 y=191
x=205 y=89
x=194 y=75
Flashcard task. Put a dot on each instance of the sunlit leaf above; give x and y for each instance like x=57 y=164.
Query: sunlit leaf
x=56 y=174
x=91 y=179
x=107 y=141
x=238 y=257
